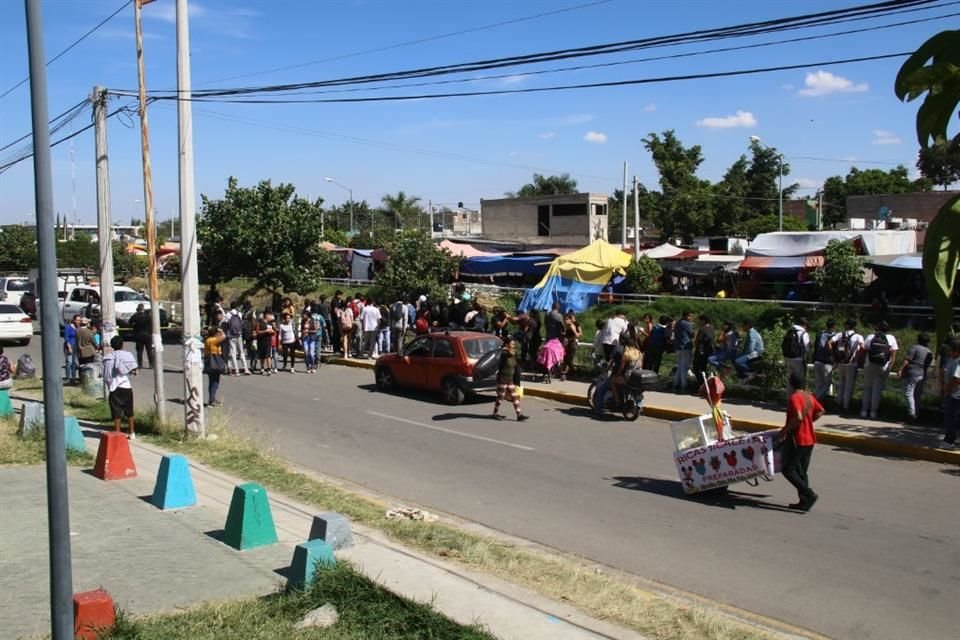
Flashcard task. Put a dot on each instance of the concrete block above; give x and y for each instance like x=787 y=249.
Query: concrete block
x=332 y=528
x=114 y=461
x=307 y=557
x=174 y=487
x=249 y=521
x=31 y=417
x=73 y=435
x=93 y=614
x=6 y=407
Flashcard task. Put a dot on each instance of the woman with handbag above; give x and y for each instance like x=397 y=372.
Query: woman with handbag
x=213 y=363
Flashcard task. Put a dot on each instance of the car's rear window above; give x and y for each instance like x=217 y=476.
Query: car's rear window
x=10 y=308
x=476 y=347
x=18 y=285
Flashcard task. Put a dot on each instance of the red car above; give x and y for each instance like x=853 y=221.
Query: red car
x=444 y=362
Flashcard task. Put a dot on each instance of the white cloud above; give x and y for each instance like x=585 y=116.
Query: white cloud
x=595 y=137
x=823 y=83
x=881 y=136
x=650 y=107
x=167 y=11
x=808 y=183
x=547 y=135
x=739 y=119
x=515 y=79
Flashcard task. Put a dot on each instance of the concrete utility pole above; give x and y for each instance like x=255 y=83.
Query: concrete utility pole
x=623 y=210
x=104 y=224
x=192 y=327
x=636 y=218
x=58 y=505
x=159 y=397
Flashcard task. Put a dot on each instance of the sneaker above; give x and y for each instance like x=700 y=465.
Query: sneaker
x=292 y=370
x=521 y=417
x=247 y=372
x=809 y=502
x=497 y=416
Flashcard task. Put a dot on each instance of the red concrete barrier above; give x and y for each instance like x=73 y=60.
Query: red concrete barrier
x=93 y=613
x=114 y=461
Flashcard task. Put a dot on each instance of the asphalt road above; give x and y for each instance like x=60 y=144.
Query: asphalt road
x=879 y=557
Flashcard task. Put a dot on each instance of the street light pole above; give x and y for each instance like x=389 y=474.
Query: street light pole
x=350 y=191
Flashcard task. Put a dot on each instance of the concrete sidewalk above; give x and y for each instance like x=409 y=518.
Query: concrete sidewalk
x=151 y=560
x=872 y=437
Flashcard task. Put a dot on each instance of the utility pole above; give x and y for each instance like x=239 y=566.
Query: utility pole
x=636 y=218
x=104 y=224
x=623 y=210
x=58 y=504
x=192 y=328
x=780 y=189
x=820 y=210
x=159 y=397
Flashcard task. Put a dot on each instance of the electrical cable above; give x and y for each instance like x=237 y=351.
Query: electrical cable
x=71 y=46
x=52 y=122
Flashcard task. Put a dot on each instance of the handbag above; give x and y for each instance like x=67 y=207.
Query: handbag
x=214 y=364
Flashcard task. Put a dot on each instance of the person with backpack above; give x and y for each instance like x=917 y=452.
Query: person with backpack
x=796 y=342
x=879 y=354
x=846 y=349
x=913 y=373
x=796 y=440
x=235 y=346
x=823 y=361
x=345 y=325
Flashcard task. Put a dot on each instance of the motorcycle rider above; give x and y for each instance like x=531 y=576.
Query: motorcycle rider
x=631 y=358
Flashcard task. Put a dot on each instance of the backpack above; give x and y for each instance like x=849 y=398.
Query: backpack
x=792 y=344
x=821 y=352
x=346 y=322
x=397 y=313
x=841 y=350
x=235 y=326
x=421 y=326
x=879 y=351
x=25 y=367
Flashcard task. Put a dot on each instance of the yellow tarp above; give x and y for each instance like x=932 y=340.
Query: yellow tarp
x=594 y=264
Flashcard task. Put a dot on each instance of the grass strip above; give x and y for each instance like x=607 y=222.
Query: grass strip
x=31 y=448
x=366 y=611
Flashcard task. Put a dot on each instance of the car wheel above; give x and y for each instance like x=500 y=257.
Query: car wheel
x=25 y=342
x=384 y=378
x=452 y=392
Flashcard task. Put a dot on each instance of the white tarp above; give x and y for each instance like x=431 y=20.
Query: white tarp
x=665 y=250
x=802 y=243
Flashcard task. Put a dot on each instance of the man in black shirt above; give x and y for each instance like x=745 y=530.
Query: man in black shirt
x=142 y=327
x=554 y=322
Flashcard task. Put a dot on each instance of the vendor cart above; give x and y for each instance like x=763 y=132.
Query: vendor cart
x=710 y=456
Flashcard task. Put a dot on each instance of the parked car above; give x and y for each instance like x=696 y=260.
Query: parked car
x=15 y=325
x=456 y=364
x=84 y=300
x=12 y=287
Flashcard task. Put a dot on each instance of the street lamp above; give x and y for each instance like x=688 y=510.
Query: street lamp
x=780 y=182
x=350 y=191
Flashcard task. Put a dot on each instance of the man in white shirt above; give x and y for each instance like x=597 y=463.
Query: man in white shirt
x=846 y=354
x=796 y=345
x=370 y=324
x=118 y=365
x=612 y=331
x=880 y=349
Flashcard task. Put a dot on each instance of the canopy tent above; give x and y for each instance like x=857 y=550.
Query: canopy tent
x=463 y=250
x=911 y=262
x=755 y=263
x=804 y=243
x=665 y=250
x=576 y=279
x=498 y=266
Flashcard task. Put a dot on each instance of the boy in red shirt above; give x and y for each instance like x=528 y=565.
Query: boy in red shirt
x=797 y=438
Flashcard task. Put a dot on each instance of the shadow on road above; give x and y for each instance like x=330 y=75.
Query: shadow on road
x=426 y=396
x=724 y=499
x=585 y=412
x=951 y=472
x=440 y=417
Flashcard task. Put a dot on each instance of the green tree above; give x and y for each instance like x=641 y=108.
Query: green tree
x=863 y=182
x=940 y=163
x=684 y=206
x=266 y=233
x=80 y=252
x=841 y=276
x=19 y=249
x=546 y=186
x=405 y=210
x=330 y=265
x=415 y=266
x=615 y=212
x=767 y=224
x=127 y=265
x=643 y=275
x=940 y=81
x=335 y=236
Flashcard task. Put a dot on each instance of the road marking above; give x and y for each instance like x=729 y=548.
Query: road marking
x=451 y=431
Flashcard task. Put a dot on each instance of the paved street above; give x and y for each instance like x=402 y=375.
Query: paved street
x=879 y=557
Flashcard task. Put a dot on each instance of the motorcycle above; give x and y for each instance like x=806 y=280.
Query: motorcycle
x=631 y=406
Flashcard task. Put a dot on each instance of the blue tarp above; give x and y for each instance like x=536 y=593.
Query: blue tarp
x=572 y=295
x=505 y=266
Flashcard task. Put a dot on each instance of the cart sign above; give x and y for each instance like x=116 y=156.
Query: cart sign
x=726 y=462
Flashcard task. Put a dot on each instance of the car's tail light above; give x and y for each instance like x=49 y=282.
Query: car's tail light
x=27 y=319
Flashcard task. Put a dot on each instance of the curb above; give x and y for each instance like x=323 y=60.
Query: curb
x=832 y=437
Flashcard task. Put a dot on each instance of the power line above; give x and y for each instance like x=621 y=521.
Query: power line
x=71 y=46
x=52 y=123
x=412 y=42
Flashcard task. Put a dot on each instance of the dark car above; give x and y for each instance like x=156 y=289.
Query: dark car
x=446 y=362
x=28 y=302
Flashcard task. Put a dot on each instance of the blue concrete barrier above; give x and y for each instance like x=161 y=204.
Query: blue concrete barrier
x=332 y=528
x=6 y=407
x=174 y=487
x=307 y=558
x=73 y=436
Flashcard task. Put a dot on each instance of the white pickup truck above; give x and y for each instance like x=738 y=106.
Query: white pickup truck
x=84 y=300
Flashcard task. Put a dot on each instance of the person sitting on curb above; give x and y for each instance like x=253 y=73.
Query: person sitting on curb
x=6 y=371
x=797 y=439
x=752 y=351
x=118 y=366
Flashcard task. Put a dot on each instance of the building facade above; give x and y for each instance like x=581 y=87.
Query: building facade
x=576 y=219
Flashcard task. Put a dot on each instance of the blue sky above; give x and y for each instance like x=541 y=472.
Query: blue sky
x=461 y=149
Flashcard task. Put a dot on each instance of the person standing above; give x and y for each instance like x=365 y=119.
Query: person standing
x=370 y=325
x=264 y=335
x=683 y=343
x=336 y=331
x=234 y=331
x=384 y=343
x=71 y=364
x=508 y=377
x=308 y=338
x=880 y=349
x=86 y=343
x=554 y=322
x=141 y=326
x=797 y=439
x=656 y=345
x=288 y=342
x=913 y=373
x=704 y=347
x=795 y=344
x=214 y=364
x=846 y=357
x=571 y=340
x=950 y=393
x=398 y=322
x=531 y=338
x=118 y=366
x=324 y=325
x=823 y=361
x=612 y=330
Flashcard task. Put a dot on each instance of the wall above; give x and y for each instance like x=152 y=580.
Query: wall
x=516 y=220
x=922 y=205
